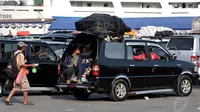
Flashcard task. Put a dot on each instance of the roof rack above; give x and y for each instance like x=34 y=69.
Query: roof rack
x=193 y=34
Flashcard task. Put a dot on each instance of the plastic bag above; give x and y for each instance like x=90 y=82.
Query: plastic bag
x=20 y=76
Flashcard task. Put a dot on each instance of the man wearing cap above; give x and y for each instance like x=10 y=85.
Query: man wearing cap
x=24 y=86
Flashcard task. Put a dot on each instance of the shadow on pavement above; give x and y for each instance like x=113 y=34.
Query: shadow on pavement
x=93 y=97
x=35 y=93
x=104 y=97
x=14 y=100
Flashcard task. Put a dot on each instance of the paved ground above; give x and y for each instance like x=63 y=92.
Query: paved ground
x=100 y=103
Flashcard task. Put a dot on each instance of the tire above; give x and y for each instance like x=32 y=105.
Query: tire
x=116 y=96
x=81 y=95
x=184 y=86
x=1 y=89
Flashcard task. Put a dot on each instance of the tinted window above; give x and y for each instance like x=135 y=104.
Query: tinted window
x=58 y=46
x=7 y=50
x=157 y=52
x=181 y=43
x=41 y=52
x=114 y=50
x=136 y=50
x=163 y=44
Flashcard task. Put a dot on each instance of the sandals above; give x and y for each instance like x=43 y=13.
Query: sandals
x=8 y=103
x=29 y=103
x=79 y=82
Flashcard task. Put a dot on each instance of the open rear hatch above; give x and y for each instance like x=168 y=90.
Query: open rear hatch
x=80 y=39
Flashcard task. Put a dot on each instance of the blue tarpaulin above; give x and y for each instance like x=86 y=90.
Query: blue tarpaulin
x=176 y=23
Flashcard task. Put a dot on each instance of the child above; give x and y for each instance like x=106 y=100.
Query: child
x=86 y=70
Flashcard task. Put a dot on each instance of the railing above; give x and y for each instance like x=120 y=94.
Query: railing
x=20 y=8
x=93 y=9
x=142 y=11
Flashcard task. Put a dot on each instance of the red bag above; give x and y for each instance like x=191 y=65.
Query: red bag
x=20 y=76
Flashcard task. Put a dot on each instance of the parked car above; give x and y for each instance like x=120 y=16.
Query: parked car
x=186 y=47
x=47 y=71
x=116 y=72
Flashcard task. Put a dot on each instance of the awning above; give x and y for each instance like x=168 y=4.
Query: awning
x=176 y=23
x=64 y=24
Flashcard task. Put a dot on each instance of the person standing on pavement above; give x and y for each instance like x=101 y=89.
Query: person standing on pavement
x=24 y=86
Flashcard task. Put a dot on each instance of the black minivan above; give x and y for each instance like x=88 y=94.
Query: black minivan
x=47 y=73
x=117 y=73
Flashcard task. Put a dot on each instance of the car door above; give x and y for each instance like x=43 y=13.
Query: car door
x=47 y=71
x=163 y=69
x=7 y=51
x=140 y=71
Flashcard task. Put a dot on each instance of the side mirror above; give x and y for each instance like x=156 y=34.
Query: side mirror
x=174 y=56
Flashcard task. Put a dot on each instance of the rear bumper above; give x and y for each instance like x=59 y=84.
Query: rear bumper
x=77 y=86
x=81 y=86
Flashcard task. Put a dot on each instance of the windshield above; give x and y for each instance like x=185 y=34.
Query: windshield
x=163 y=44
x=58 y=48
x=180 y=43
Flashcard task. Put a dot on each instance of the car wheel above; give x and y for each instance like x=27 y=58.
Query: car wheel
x=1 y=89
x=81 y=94
x=184 y=86
x=119 y=90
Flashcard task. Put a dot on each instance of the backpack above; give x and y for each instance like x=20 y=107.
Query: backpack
x=12 y=69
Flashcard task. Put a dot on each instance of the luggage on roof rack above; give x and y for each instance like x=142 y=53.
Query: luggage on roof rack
x=164 y=33
x=102 y=25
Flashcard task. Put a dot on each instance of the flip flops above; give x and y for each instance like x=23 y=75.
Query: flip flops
x=29 y=103
x=8 y=103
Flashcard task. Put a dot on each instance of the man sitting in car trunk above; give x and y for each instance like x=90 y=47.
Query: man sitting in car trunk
x=73 y=65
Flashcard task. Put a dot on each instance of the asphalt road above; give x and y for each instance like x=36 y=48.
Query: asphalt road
x=56 y=102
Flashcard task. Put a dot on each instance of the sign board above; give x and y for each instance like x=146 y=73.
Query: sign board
x=5 y=16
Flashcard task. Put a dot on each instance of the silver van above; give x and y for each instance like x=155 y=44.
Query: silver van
x=186 y=47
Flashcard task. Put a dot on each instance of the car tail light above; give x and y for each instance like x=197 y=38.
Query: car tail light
x=59 y=72
x=95 y=70
x=59 y=69
x=194 y=57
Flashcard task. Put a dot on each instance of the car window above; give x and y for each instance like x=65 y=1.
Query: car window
x=157 y=52
x=7 y=50
x=181 y=43
x=136 y=51
x=114 y=50
x=58 y=46
x=41 y=52
x=162 y=43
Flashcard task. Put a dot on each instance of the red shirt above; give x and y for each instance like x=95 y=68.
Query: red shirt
x=142 y=56
x=154 y=56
